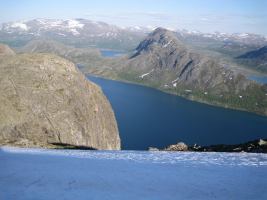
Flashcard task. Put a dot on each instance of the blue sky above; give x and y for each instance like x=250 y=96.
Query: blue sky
x=202 y=15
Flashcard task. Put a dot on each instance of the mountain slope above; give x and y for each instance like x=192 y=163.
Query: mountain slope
x=46 y=101
x=6 y=50
x=256 y=58
x=164 y=61
x=162 y=52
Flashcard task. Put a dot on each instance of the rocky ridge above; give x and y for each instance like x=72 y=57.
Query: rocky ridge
x=47 y=102
x=255 y=146
x=6 y=50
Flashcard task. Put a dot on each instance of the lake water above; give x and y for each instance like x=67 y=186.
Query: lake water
x=259 y=79
x=148 y=117
x=111 y=53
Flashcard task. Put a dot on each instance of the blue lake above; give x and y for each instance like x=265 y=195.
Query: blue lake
x=111 y=53
x=148 y=117
x=259 y=79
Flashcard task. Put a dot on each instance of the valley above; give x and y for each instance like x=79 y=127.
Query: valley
x=196 y=66
x=192 y=65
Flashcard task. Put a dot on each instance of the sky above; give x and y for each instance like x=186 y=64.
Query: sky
x=203 y=15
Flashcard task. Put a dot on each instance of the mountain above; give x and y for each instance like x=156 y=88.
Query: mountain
x=75 y=32
x=163 y=53
x=86 y=33
x=165 y=62
x=6 y=50
x=79 y=56
x=245 y=38
x=225 y=43
x=256 y=58
x=47 y=102
x=225 y=46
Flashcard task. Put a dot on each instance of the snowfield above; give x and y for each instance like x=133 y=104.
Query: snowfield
x=27 y=174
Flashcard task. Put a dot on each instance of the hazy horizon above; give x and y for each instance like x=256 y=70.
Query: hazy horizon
x=206 y=16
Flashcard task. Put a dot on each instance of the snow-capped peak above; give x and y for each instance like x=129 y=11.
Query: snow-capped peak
x=137 y=27
x=243 y=35
x=19 y=25
x=74 y=24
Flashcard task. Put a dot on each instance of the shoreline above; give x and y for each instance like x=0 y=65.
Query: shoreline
x=193 y=99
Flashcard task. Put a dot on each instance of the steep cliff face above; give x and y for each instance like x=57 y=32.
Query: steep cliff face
x=46 y=101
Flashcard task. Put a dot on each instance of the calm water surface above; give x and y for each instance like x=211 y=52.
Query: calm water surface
x=259 y=79
x=111 y=53
x=148 y=117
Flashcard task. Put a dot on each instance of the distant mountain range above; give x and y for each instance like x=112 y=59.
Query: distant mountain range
x=227 y=44
x=78 y=32
x=85 y=33
x=246 y=38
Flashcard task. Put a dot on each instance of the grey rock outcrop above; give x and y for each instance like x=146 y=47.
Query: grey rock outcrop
x=262 y=142
x=180 y=146
x=153 y=149
x=255 y=146
x=45 y=101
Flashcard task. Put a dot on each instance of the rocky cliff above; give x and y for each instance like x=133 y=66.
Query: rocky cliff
x=45 y=101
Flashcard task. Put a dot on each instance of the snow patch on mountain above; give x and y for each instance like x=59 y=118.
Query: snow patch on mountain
x=146 y=74
x=19 y=25
x=74 y=24
x=243 y=35
x=74 y=31
x=167 y=44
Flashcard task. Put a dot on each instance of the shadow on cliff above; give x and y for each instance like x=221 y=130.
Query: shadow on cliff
x=70 y=146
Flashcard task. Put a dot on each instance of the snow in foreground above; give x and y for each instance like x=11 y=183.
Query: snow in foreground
x=27 y=174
